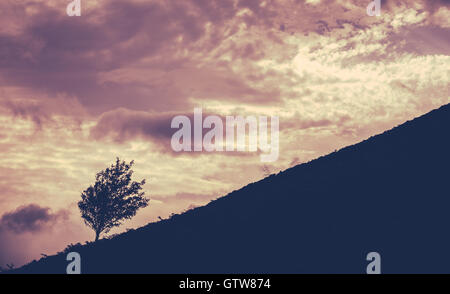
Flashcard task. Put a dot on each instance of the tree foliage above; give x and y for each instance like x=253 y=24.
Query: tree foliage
x=112 y=199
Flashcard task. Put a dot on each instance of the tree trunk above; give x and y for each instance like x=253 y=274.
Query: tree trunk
x=97 y=235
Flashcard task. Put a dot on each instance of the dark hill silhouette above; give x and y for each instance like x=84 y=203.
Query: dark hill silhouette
x=388 y=194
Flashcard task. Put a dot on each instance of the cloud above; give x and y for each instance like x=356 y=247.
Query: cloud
x=58 y=111
x=53 y=53
x=123 y=124
x=30 y=230
x=30 y=218
x=159 y=56
x=27 y=109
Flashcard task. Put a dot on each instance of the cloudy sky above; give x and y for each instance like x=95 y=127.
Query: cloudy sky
x=75 y=92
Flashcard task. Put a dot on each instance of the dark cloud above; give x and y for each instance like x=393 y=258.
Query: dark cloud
x=42 y=111
x=65 y=43
x=123 y=124
x=27 y=110
x=30 y=218
x=58 y=54
x=54 y=54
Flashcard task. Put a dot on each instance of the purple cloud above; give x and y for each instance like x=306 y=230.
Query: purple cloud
x=30 y=218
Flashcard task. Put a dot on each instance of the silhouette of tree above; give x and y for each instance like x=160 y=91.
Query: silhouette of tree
x=112 y=199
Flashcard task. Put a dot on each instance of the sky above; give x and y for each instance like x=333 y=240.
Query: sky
x=77 y=92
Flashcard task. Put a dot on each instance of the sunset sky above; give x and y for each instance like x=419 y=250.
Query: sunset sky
x=76 y=92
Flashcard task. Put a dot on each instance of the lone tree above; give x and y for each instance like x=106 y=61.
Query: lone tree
x=112 y=199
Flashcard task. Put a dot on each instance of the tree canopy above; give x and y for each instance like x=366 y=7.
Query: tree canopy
x=112 y=199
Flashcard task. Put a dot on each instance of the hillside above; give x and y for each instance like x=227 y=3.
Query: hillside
x=388 y=194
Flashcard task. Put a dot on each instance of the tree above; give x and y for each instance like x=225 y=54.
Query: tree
x=112 y=199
